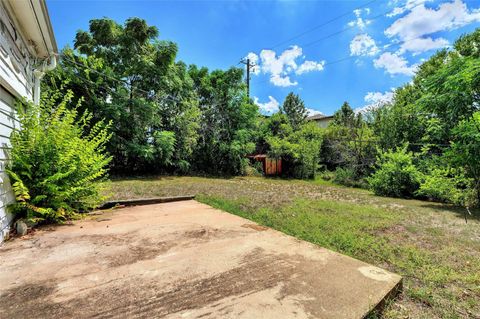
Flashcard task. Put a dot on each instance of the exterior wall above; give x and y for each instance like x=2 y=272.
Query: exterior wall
x=8 y=122
x=323 y=123
x=16 y=64
x=16 y=81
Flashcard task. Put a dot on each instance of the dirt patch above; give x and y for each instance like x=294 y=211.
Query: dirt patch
x=206 y=234
x=255 y=227
x=132 y=299
x=32 y=300
x=138 y=252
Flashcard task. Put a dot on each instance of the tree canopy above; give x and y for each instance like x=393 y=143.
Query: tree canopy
x=169 y=117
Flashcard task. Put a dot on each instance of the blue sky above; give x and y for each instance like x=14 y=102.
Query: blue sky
x=358 y=57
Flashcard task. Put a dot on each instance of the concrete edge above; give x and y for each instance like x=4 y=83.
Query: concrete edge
x=374 y=308
x=144 y=201
x=390 y=296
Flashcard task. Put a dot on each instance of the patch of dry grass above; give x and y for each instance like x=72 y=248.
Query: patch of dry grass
x=428 y=243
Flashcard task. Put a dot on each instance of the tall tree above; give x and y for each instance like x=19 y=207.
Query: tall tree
x=228 y=121
x=127 y=75
x=348 y=142
x=295 y=110
x=345 y=116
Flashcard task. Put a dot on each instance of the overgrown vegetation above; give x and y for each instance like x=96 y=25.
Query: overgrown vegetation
x=396 y=175
x=56 y=163
x=436 y=116
x=174 y=118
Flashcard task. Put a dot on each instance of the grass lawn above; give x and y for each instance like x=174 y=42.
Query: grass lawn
x=428 y=243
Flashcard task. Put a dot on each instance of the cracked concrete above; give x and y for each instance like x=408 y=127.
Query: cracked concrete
x=181 y=260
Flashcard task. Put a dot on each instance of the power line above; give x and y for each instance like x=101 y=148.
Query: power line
x=347 y=57
x=341 y=31
x=301 y=34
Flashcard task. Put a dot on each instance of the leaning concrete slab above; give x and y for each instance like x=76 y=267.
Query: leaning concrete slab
x=181 y=260
x=144 y=201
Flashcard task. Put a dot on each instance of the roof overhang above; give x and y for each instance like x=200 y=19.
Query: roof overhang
x=34 y=22
x=319 y=117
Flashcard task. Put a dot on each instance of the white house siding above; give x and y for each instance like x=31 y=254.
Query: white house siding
x=8 y=122
x=16 y=80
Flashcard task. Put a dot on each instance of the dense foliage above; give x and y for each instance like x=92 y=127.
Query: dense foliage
x=396 y=175
x=228 y=121
x=295 y=110
x=56 y=165
x=437 y=114
x=349 y=147
x=173 y=118
x=168 y=117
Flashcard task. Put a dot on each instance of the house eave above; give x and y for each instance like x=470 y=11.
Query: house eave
x=33 y=21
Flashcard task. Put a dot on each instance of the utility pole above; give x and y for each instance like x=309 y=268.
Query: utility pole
x=249 y=66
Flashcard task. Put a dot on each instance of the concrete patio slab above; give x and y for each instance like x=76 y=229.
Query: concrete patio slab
x=181 y=260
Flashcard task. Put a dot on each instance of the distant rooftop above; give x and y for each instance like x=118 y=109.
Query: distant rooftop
x=319 y=117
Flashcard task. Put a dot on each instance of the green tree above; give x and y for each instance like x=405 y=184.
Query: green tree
x=295 y=110
x=400 y=121
x=437 y=114
x=299 y=149
x=465 y=150
x=229 y=123
x=126 y=75
x=345 y=116
x=349 y=145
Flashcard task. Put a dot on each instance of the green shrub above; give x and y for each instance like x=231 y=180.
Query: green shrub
x=349 y=176
x=344 y=176
x=396 y=174
x=299 y=150
x=56 y=167
x=447 y=184
x=327 y=175
x=254 y=169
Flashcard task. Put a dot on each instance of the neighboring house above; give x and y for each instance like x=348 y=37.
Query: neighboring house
x=321 y=120
x=27 y=50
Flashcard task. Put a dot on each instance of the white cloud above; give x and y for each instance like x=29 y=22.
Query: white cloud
x=272 y=64
x=360 y=22
x=312 y=112
x=281 y=67
x=254 y=59
x=410 y=4
x=283 y=81
x=421 y=21
x=363 y=44
x=396 y=11
x=423 y=44
x=394 y=64
x=375 y=100
x=379 y=97
x=309 y=66
x=269 y=107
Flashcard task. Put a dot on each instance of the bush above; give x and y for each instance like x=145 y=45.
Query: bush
x=348 y=176
x=299 y=150
x=327 y=175
x=55 y=165
x=344 y=176
x=396 y=175
x=448 y=184
x=254 y=169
